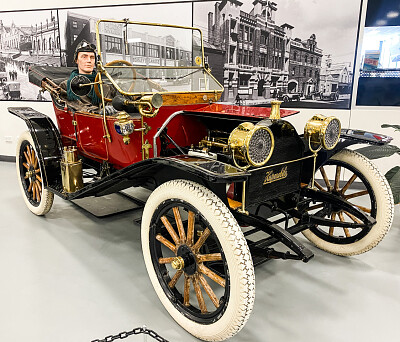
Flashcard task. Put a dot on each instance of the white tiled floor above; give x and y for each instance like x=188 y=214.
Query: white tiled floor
x=73 y=277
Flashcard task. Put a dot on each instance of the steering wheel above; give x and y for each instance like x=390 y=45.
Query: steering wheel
x=115 y=63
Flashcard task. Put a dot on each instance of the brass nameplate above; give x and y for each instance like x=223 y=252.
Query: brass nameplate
x=273 y=177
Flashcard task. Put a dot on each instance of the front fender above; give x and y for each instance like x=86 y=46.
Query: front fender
x=348 y=137
x=47 y=142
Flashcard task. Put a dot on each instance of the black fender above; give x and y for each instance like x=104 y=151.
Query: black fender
x=47 y=142
x=348 y=137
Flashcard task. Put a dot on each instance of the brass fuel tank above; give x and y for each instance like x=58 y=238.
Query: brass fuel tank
x=71 y=170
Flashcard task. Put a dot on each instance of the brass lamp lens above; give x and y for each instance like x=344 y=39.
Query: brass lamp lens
x=332 y=134
x=260 y=146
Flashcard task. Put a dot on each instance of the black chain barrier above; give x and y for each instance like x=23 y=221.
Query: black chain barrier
x=136 y=331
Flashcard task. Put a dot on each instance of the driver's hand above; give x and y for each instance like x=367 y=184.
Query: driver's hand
x=110 y=110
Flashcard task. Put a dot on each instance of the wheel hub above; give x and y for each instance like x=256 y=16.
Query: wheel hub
x=185 y=259
x=31 y=174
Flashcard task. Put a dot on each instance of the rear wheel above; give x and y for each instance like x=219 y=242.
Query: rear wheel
x=355 y=179
x=38 y=199
x=198 y=260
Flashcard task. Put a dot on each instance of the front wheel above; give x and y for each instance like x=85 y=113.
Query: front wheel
x=38 y=199
x=198 y=260
x=355 y=179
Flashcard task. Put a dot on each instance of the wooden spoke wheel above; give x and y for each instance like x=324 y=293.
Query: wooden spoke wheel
x=198 y=260
x=355 y=179
x=131 y=78
x=37 y=198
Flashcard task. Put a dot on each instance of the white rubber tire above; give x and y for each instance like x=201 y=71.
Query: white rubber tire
x=47 y=197
x=235 y=248
x=384 y=214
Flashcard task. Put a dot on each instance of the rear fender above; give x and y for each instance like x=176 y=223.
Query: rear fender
x=47 y=142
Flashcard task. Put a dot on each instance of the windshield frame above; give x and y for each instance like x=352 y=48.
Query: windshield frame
x=102 y=68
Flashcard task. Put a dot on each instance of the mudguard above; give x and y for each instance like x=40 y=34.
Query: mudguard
x=348 y=137
x=47 y=142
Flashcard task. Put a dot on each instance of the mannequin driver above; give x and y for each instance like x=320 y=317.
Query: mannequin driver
x=85 y=59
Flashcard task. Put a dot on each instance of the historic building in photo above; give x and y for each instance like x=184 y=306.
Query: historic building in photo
x=304 y=66
x=78 y=27
x=336 y=77
x=261 y=59
x=13 y=38
x=45 y=48
x=37 y=43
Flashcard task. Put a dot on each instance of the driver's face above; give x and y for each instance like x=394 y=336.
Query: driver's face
x=85 y=61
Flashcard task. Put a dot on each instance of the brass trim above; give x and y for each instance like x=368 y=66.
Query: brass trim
x=146 y=149
x=178 y=263
x=107 y=135
x=142 y=137
x=275 y=110
x=243 y=208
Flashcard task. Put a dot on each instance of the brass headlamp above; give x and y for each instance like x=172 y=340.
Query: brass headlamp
x=323 y=131
x=252 y=143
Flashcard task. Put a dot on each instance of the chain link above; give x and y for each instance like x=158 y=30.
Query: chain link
x=136 y=331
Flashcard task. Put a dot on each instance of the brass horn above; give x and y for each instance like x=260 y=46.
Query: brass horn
x=149 y=105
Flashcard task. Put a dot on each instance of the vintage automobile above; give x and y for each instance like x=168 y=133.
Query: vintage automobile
x=232 y=185
x=329 y=96
x=288 y=96
x=12 y=90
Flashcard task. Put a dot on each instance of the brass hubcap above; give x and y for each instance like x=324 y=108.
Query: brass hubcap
x=178 y=263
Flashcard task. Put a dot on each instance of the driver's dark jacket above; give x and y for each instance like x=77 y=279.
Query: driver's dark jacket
x=85 y=103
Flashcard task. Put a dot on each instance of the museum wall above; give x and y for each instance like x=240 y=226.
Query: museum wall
x=333 y=55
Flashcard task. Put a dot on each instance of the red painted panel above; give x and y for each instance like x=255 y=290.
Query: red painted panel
x=121 y=155
x=185 y=130
x=64 y=122
x=91 y=135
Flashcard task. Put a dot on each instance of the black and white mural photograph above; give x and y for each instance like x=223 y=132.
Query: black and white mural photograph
x=26 y=38
x=77 y=25
x=301 y=52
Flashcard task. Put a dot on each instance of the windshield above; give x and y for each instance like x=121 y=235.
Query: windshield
x=140 y=57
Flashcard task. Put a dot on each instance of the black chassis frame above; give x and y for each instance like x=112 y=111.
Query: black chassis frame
x=152 y=172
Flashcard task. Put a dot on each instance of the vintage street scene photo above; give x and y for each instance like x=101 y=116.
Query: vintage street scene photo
x=26 y=38
x=143 y=46
x=299 y=52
